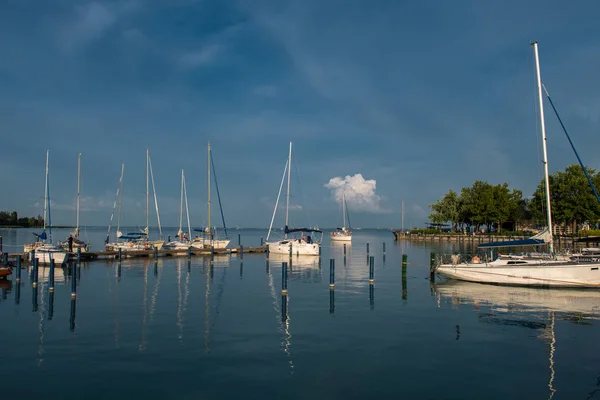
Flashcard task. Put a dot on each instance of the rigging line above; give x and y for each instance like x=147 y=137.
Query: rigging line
x=212 y=163
x=572 y=145
x=277 y=201
x=155 y=200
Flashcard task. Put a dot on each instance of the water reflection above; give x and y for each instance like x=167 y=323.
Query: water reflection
x=283 y=318
x=72 y=314
x=533 y=304
x=5 y=288
x=300 y=268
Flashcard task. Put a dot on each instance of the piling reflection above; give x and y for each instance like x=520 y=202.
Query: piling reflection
x=34 y=299
x=5 y=288
x=72 y=314
x=332 y=301
x=283 y=322
x=18 y=293
x=50 y=305
x=372 y=297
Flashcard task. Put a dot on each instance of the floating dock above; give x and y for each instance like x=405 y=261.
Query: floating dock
x=109 y=255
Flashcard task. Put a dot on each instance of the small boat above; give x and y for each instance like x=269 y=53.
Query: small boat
x=303 y=245
x=343 y=234
x=4 y=272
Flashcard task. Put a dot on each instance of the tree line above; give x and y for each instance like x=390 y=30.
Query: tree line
x=498 y=207
x=12 y=219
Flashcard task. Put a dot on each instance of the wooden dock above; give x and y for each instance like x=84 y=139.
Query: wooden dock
x=111 y=255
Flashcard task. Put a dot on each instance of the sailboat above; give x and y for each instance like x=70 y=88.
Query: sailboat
x=303 y=245
x=114 y=246
x=135 y=241
x=208 y=237
x=77 y=243
x=184 y=237
x=47 y=250
x=342 y=234
x=557 y=271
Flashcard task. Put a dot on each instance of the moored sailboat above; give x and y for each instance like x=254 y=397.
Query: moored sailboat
x=303 y=245
x=47 y=250
x=527 y=270
x=183 y=241
x=343 y=234
x=76 y=243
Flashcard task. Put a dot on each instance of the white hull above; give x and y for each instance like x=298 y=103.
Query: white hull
x=299 y=247
x=200 y=243
x=32 y=246
x=47 y=252
x=341 y=238
x=135 y=246
x=177 y=245
x=555 y=274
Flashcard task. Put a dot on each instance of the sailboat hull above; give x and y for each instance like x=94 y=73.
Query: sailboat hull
x=200 y=243
x=341 y=238
x=48 y=252
x=545 y=274
x=297 y=248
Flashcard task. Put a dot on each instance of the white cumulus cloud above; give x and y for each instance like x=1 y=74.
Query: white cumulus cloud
x=360 y=193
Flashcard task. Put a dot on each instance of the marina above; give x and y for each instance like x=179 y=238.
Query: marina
x=219 y=328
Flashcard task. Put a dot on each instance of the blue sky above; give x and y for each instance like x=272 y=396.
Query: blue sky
x=415 y=97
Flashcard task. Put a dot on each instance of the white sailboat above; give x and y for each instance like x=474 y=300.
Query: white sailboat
x=48 y=251
x=77 y=243
x=116 y=205
x=342 y=234
x=184 y=240
x=303 y=245
x=208 y=238
x=528 y=270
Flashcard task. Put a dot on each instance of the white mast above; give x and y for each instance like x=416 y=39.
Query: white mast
x=545 y=153
x=181 y=207
x=46 y=192
x=277 y=201
x=402 y=216
x=208 y=228
x=120 y=200
x=78 y=194
x=187 y=210
x=147 y=185
x=344 y=208
x=155 y=199
x=287 y=199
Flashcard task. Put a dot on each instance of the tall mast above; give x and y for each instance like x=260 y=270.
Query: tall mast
x=287 y=198
x=78 y=194
x=545 y=152
x=181 y=206
x=344 y=207
x=402 y=215
x=120 y=200
x=46 y=192
x=147 y=185
x=208 y=228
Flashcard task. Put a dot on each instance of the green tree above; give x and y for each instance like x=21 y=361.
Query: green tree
x=445 y=209
x=572 y=200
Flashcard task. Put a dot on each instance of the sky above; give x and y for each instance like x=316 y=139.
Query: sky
x=392 y=102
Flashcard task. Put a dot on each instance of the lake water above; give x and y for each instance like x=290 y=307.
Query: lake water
x=176 y=330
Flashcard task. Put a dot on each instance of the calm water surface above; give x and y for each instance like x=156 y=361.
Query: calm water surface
x=174 y=329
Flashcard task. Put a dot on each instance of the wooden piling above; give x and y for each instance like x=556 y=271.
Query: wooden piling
x=34 y=280
x=51 y=276
x=18 y=267
x=284 y=288
x=331 y=273
x=432 y=267
x=371 y=270
x=73 y=280
x=241 y=252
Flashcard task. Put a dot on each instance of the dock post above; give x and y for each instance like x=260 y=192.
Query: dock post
x=18 y=278
x=34 y=299
x=331 y=273
x=267 y=251
x=262 y=241
x=384 y=248
x=189 y=252
x=432 y=267
x=367 y=252
x=5 y=258
x=79 y=256
x=34 y=280
x=291 y=250
x=371 y=270
x=51 y=276
x=0 y=244
x=155 y=253
x=73 y=280
x=239 y=239
x=120 y=254
x=212 y=253
x=18 y=294
x=31 y=257
x=284 y=290
x=241 y=252
x=344 y=249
